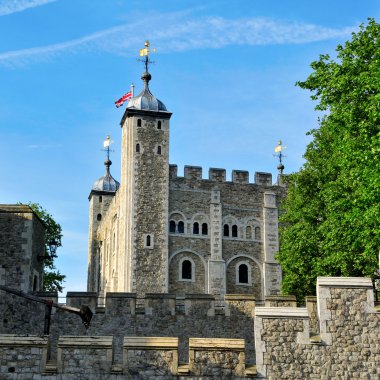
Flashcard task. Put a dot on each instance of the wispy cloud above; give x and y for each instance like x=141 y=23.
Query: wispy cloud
x=179 y=33
x=8 y=7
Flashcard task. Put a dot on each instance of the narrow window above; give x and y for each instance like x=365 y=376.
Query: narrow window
x=257 y=233
x=139 y=122
x=35 y=283
x=159 y=124
x=234 y=231
x=172 y=226
x=248 y=232
x=243 y=274
x=99 y=217
x=100 y=199
x=147 y=241
x=159 y=149
x=186 y=270
x=138 y=148
x=196 y=228
x=226 y=230
x=181 y=227
x=204 y=229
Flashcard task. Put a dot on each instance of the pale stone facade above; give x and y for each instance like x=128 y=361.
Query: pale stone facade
x=159 y=232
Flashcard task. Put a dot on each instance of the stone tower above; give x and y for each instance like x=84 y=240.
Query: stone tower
x=144 y=194
x=101 y=195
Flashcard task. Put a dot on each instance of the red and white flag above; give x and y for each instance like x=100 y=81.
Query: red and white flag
x=123 y=99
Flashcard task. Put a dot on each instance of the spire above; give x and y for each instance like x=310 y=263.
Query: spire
x=278 y=153
x=107 y=182
x=146 y=77
x=145 y=101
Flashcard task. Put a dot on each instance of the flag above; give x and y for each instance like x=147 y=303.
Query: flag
x=107 y=142
x=278 y=148
x=123 y=99
x=143 y=52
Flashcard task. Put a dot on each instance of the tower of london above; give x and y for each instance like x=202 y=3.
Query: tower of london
x=157 y=232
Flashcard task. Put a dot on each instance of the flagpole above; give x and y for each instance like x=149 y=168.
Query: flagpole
x=132 y=90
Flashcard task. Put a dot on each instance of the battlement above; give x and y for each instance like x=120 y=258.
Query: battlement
x=285 y=345
x=194 y=173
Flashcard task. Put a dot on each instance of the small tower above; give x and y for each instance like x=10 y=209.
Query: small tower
x=144 y=191
x=102 y=192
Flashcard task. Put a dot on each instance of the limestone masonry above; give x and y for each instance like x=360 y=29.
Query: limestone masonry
x=158 y=232
x=182 y=282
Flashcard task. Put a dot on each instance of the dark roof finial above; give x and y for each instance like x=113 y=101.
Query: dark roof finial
x=278 y=153
x=107 y=182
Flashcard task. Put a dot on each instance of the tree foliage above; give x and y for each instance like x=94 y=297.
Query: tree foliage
x=53 y=279
x=330 y=219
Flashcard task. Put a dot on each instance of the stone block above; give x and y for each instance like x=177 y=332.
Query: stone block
x=173 y=171
x=160 y=304
x=280 y=301
x=263 y=179
x=240 y=176
x=119 y=304
x=150 y=357
x=217 y=175
x=238 y=304
x=193 y=173
x=216 y=357
x=77 y=299
x=200 y=305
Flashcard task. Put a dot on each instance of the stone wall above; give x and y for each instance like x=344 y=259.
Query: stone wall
x=348 y=344
x=200 y=340
x=22 y=247
x=238 y=203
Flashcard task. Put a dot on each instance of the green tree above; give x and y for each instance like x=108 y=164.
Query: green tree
x=53 y=279
x=330 y=219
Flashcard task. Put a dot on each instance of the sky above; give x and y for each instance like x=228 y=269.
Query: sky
x=226 y=69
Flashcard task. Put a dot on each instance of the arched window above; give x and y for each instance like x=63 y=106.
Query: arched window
x=248 y=232
x=172 y=226
x=204 y=229
x=147 y=241
x=186 y=270
x=234 y=231
x=243 y=274
x=99 y=217
x=159 y=149
x=257 y=233
x=159 y=124
x=137 y=148
x=196 y=228
x=226 y=230
x=139 y=122
x=181 y=227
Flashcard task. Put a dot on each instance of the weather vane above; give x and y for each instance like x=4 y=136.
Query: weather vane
x=106 y=144
x=145 y=53
x=278 y=149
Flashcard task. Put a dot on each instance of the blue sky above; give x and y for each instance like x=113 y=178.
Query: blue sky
x=226 y=69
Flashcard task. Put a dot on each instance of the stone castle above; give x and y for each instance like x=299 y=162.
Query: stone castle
x=158 y=232
x=182 y=282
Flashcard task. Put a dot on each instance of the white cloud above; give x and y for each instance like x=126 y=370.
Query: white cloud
x=177 y=32
x=8 y=7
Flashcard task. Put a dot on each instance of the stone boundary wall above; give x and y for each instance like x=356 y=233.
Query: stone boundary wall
x=194 y=173
x=287 y=345
x=348 y=346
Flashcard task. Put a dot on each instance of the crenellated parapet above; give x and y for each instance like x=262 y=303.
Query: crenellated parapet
x=218 y=175
x=201 y=342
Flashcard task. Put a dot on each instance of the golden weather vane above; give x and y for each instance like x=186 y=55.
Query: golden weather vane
x=145 y=53
x=278 y=149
